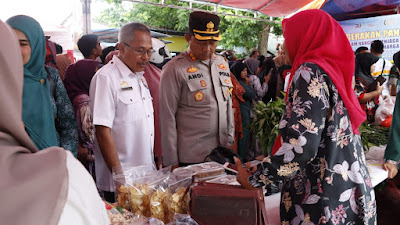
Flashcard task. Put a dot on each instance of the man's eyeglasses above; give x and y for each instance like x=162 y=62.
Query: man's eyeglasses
x=140 y=51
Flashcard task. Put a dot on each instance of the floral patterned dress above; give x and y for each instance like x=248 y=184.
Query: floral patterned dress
x=66 y=126
x=321 y=162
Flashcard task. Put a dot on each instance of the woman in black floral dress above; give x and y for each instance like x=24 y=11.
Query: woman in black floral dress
x=320 y=160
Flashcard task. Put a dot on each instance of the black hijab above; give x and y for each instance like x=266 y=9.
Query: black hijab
x=363 y=63
x=237 y=68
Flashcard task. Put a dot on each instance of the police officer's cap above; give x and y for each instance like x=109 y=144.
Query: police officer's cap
x=204 y=26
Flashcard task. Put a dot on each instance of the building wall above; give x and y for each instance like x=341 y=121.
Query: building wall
x=179 y=44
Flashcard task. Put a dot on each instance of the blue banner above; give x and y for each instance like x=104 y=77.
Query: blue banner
x=361 y=32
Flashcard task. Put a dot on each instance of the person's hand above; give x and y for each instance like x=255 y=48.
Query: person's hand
x=379 y=88
x=90 y=158
x=279 y=60
x=242 y=174
x=267 y=78
x=391 y=168
x=83 y=154
x=393 y=90
x=247 y=80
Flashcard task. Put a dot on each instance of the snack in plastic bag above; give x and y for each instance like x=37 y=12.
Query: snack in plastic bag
x=159 y=205
x=179 y=200
x=124 y=175
x=140 y=199
x=207 y=170
x=225 y=179
x=123 y=197
x=159 y=200
x=179 y=183
x=118 y=215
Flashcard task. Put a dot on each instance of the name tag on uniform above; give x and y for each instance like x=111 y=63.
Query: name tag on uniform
x=125 y=86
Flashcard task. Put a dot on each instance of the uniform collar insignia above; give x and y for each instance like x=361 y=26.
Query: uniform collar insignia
x=192 y=57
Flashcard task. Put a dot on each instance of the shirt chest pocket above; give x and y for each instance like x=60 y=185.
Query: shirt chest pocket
x=226 y=87
x=128 y=107
x=199 y=93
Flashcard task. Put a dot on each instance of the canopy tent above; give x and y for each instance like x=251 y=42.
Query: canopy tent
x=274 y=8
x=354 y=9
x=339 y=9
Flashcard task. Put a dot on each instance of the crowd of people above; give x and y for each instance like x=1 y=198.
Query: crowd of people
x=131 y=108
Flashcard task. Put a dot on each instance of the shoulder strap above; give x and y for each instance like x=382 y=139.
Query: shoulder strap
x=383 y=67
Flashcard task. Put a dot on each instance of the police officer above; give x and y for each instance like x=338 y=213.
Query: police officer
x=196 y=113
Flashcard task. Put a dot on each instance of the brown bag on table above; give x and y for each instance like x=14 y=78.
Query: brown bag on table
x=222 y=204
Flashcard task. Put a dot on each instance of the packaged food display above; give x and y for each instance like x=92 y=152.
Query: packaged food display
x=183 y=172
x=123 y=197
x=159 y=200
x=178 y=186
x=208 y=169
x=139 y=198
x=118 y=215
x=225 y=179
x=131 y=188
x=179 y=201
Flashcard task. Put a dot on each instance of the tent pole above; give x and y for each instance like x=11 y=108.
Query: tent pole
x=86 y=16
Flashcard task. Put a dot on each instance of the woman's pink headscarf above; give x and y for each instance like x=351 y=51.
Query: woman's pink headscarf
x=314 y=36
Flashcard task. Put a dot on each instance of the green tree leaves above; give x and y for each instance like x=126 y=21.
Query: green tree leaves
x=236 y=31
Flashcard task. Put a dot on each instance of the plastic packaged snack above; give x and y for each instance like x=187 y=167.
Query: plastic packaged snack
x=208 y=169
x=178 y=185
x=124 y=177
x=159 y=200
x=225 y=179
x=118 y=215
x=183 y=172
x=139 y=197
x=123 y=197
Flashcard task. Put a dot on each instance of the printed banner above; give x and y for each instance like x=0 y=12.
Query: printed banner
x=361 y=32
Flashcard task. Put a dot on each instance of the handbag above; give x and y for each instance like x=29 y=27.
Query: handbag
x=226 y=205
x=380 y=79
x=221 y=155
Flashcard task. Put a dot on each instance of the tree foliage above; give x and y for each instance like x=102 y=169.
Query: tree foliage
x=236 y=31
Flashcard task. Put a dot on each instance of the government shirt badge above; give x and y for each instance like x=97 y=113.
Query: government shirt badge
x=125 y=86
x=227 y=81
x=199 y=96
x=203 y=83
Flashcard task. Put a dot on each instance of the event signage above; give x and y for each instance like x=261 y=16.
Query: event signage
x=361 y=32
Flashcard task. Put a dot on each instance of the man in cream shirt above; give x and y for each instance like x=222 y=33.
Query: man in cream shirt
x=122 y=108
x=196 y=112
